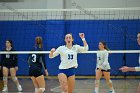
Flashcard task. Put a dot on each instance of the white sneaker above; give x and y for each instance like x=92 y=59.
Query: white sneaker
x=19 y=88
x=5 y=89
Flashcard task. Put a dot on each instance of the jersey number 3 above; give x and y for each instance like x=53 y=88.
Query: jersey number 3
x=70 y=56
x=34 y=58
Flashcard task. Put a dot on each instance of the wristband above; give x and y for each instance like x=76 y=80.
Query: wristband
x=83 y=39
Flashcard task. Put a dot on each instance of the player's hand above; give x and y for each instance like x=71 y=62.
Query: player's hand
x=124 y=69
x=82 y=35
x=51 y=53
x=46 y=72
x=16 y=68
x=53 y=50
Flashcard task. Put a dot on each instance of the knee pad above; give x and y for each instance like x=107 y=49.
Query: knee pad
x=14 y=78
x=97 y=81
x=36 y=89
x=5 y=78
x=42 y=89
x=109 y=82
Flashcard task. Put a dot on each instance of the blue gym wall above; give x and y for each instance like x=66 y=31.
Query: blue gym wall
x=119 y=35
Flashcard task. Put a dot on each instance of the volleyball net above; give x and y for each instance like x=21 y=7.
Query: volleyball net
x=118 y=27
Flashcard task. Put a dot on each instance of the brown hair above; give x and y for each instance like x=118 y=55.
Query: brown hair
x=71 y=35
x=105 y=45
x=72 y=38
x=38 y=41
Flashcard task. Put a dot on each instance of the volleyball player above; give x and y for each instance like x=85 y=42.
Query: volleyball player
x=103 y=67
x=9 y=63
x=37 y=66
x=126 y=69
x=68 y=54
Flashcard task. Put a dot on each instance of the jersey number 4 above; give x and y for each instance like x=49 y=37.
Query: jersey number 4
x=70 y=56
x=34 y=58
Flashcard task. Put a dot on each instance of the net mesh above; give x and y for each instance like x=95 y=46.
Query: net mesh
x=117 y=26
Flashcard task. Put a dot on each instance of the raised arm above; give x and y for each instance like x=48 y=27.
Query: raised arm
x=82 y=36
x=54 y=53
x=85 y=48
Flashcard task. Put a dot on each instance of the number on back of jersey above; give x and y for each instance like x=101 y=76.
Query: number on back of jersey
x=34 y=58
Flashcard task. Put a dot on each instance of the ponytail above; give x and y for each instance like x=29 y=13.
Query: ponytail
x=105 y=45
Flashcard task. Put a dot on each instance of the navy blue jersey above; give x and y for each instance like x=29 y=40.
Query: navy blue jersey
x=10 y=59
x=37 y=60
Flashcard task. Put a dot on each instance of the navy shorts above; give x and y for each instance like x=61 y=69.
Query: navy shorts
x=35 y=71
x=108 y=70
x=9 y=65
x=68 y=72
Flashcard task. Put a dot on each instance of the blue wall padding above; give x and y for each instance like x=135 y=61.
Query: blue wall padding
x=119 y=35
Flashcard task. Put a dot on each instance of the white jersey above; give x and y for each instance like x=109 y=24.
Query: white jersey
x=138 y=68
x=69 y=56
x=102 y=60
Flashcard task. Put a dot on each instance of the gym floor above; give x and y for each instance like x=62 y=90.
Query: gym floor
x=82 y=86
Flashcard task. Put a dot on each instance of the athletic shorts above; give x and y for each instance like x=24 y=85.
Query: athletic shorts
x=68 y=72
x=108 y=70
x=35 y=71
x=8 y=65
